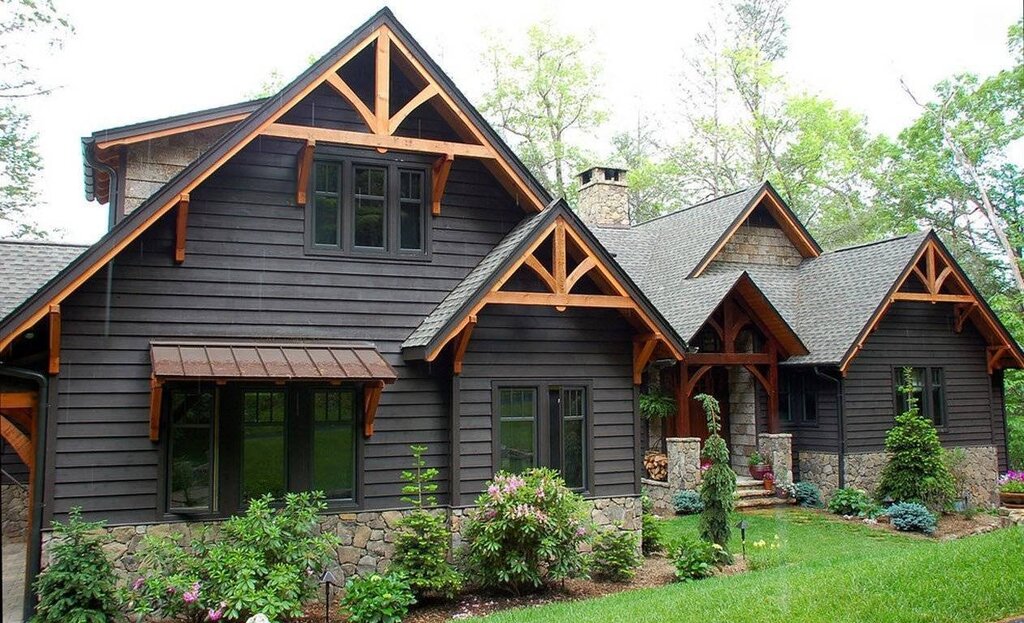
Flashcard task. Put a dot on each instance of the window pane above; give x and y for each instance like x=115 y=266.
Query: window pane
x=917 y=385
x=263 y=444
x=573 y=436
x=369 y=200
x=412 y=185
x=411 y=226
x=810 y=404
x=785 y=412
x=938 y=402
x=191 y=461
x=517 y=411
x=334 y=443
x=325 y=220
x=370 y=181
x=327 y=177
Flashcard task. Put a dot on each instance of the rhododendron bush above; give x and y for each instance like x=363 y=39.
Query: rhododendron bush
x=526 y=530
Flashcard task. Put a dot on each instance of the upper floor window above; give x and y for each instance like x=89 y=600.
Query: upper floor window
x=927 y=387
x=798 y=399
x=371 y=207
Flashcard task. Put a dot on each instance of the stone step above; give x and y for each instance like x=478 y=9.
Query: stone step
x=754 y=493
x=746 y=481
x=762 y=502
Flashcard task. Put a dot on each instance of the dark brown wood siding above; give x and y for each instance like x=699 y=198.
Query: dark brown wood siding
x=247 y=276
x=999 y=418
x=516 y=343
x=920 y=334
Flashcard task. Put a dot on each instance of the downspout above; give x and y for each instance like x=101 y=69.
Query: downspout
x=841 y=436
x=112 y=196
x=39 y=477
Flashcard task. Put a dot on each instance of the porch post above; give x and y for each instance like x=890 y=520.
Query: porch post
x=773 y=388
x=778 y=449
x=682 y=423
x=683 y=463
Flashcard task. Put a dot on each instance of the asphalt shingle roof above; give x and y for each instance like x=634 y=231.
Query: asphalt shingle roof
x=27 y=266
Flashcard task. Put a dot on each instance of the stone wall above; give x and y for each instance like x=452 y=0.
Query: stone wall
x=683 y=463
x=367 y=538
x=742 y=418
x=863 y=470
x=604 y=203
x=820 y=468
x=760 y=245
x=660 y=494
x=14 y=513
x=777 y=449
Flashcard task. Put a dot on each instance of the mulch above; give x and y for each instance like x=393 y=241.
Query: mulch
x=951 y=525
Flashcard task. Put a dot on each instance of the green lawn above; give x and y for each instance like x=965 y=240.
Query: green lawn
x=836 y=572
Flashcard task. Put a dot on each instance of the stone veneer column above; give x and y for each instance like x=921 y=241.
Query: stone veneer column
x=15 y=512
x=742 y=433
x=778 y=449
x=683 y=463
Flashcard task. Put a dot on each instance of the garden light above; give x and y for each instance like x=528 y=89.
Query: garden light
x=328 y=580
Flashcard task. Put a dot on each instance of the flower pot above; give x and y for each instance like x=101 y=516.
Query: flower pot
x=757 y=472
x=781 y=493
x=1011 y=500
x=769 y=485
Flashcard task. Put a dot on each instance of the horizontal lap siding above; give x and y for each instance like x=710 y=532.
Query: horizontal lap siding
x=246 y=276
x=999 y=419
x=919 y=334
x=822 y=436
x=524 y=343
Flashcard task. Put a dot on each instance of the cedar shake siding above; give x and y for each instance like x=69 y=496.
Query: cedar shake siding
x=921 y=334
x=247 y=276
x=519 y=345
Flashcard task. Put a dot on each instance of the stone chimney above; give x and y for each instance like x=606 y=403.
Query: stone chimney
x=603 y=199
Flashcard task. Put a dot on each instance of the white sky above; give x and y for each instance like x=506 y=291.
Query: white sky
x=131 y=61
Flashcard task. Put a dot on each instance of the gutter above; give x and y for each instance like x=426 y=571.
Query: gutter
x=39 y=476
x=840 y=422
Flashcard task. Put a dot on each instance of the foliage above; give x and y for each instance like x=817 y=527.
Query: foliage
x=915 y=469
x=1015 y=441
x=525 y=531
x=687 y=502
x=755 y=459
x=695 y=559
x=851 y=501
x=652 y=540
x=78 y=586
x=260 y=562
x=766 y=554
x=377 y=598
x=656 y=404
x=719 y=481
x=545 y=98
x=1012 y=482
x=653 y=177
x=912 y=517
x=423 y=543
x=807 y=494
x=615 y=554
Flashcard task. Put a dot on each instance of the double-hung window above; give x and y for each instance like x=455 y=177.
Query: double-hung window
x=367 y=206
x=927 y=388
x=798 y=399
x=543 y=425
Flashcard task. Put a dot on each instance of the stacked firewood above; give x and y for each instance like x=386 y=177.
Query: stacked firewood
x=656 y=464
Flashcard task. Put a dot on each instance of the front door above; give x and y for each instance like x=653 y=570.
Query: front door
x=714 y=383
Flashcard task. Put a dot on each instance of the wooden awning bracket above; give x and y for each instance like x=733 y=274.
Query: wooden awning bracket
x=305 y=167
x=442 y=166
x=371 y=399
x=156 y=398
x=181 y=228
x=462 y=345
x=19 y=441
x=643 y=348
x=53 y=363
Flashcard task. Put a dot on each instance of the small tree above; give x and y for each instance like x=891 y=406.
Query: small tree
x=915 y=470
x=719 y=483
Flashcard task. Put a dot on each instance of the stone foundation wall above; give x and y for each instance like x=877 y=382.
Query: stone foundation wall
x=13 y=512
x=367 y=538
x=820 y=468
x=742 y=418
x=863 y=470
x=661 y=495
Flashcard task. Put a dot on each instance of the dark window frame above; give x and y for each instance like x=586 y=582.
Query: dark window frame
x=927 y=405
x=347 y=160
x=299 y=447
x=167 y=457
x=542 y=428
x=798 y=388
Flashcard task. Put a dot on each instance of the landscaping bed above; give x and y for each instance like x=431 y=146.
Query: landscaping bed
x=950 y=525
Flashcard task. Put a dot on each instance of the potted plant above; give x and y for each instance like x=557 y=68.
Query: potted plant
x=784 y=492
x=769 y=482
x=1011 y=489
x=758 y=466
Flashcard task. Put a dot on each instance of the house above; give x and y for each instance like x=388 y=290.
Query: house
x=294 y=290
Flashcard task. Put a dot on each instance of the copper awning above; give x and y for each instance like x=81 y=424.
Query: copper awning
x=273 y=361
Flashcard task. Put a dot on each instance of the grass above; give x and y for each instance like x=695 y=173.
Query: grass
x=834 y=571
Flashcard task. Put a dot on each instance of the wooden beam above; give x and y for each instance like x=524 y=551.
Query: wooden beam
x=442 y=167
x=428 y=92
x=558 y=257
x=773 y=389
x=156 y=400
x=642 y=351
x=53 y=363
x=581 y=269
x=930 y=268
x=928 y=297
x=383 y=83
x=542 y=272
x=305 y=168
x=682 y=428
x=18 y=400
x=362 y=139
x=994 y=354
x=561 y=300
x=350 y=96
x=941 y=278
x=19 y=441
x=370 y=401
x=728 y=359
x=463 y=343
x=181 y=228
x=961 y=312
x=695 y=378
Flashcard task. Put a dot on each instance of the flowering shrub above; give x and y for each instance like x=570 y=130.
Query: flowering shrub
x=172 y=583
x=765 y=554
x=377 y=598
x=912 y=517
x=1012 y=482
x=615 y=555
x=525 y=531
x=687 y=502
x=696 y=559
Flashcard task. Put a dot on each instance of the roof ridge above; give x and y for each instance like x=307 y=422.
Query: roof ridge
x=49 y=243
x=697 y=205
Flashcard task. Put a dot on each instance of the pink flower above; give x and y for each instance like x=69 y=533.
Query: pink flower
x=137 y=584
x=540 y=493
x=215 y=615
x=171 y=590
x=581 y=531
x=494 y=491
x=190 y=597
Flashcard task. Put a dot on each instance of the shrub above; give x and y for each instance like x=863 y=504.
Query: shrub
x=915 y=469
x=525 y=531
x=687 y=502
x=377 y=598
x=695 y=559
x=1015 y=441
x=652 y=540
x=424 y=541
x=79 y=583
x=912 y=517
x=755 y=459
x=172 y=585
x=849 y=501
x=615 y=555
x=765 y=554
x=807 y=494
x=655 y=404
x=719 y=481
x=1012 y=482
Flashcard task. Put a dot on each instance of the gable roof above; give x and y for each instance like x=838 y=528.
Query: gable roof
x=462 y=299
x=26 y=265
x=129 y=228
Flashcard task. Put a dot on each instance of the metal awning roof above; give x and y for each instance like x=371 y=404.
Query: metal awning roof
x=275 y=361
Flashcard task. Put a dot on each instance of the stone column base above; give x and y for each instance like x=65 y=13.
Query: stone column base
x=683 y=463
x=777 y=448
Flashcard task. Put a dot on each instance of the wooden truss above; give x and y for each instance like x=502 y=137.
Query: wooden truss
x=19 y=414
x=383 y=126
x=933 y=276
x=561 y=284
